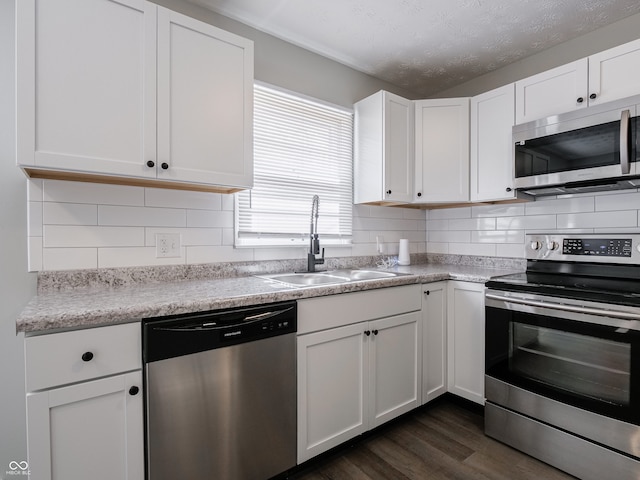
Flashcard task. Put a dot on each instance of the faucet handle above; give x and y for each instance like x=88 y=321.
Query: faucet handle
x=316 y=245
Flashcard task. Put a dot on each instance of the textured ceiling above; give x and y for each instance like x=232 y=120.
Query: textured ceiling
x=425 y=46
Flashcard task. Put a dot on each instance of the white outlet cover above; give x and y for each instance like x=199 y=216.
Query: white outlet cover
x=168 y=245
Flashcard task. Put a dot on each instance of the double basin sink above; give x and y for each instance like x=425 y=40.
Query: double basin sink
x=331 y=277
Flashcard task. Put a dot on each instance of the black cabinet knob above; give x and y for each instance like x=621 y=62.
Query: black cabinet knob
x=375 y=332
x=87 y=356
x=164 y=165
x=134 y=390
x=593 y=96
x=419 y=194
x=388 y=192
x=367 y=332
x=580 y=100
x=151 y=164
x=509 y=189
x=427 y=292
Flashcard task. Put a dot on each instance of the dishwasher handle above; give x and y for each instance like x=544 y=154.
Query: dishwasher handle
x=212 y=325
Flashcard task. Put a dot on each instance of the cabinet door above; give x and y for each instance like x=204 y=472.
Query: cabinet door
x=442 y=150
x=205 y=103
x=331 y=388
x=394 y=366
x=88 y=430
x=559 y=90
x=86 y=81
x=614 y=73
x=398 y=148
x=492 y=119
x=465 y=317
x=434 y=340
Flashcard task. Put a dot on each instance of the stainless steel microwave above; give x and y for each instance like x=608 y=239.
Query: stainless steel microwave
x=592 y=149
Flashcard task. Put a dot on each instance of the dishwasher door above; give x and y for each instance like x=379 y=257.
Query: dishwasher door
x=228 y=412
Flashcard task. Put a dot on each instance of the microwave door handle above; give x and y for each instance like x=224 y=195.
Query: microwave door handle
x=624 y=142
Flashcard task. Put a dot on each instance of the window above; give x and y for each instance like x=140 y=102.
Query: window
x=302 y=148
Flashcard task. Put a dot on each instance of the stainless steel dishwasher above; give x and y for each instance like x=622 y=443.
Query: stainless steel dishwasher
x=220 y=393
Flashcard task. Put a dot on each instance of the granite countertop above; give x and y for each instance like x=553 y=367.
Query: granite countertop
x=92 y=307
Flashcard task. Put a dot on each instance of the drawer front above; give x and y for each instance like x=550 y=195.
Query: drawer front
x=321 y=313
x=74 y=356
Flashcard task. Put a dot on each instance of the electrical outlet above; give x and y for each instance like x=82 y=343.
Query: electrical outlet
x=167 y=245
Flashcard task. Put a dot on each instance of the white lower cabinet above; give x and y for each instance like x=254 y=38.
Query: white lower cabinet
x=81 y=427
x=434 y=340
x=355 y=377
x=465 y=340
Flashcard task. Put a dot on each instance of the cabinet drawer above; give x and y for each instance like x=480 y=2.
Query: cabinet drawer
x=57 y=359
x=321 y=313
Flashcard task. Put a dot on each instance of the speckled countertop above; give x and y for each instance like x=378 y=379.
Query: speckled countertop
x=90 y=307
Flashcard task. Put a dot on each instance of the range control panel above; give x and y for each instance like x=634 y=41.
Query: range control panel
x=602 y=248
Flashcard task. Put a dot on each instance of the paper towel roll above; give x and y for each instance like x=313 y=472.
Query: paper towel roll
x=403 y=255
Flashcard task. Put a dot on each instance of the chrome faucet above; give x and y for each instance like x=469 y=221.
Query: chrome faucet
x=314 y=241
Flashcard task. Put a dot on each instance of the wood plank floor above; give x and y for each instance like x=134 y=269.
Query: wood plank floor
x=440 y=441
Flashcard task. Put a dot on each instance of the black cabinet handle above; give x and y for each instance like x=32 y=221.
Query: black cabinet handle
x=375 y=332
x=134 y=390
x=427 y=292
x=87 y=356
x=388 y=192
x=593 y=96
x=151 y=164
x=509 y=189
x=164 y=165
x=367 y=332
x=419 y=194
x=580 y=100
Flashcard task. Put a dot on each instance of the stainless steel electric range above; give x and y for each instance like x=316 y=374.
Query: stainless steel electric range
x=562 y=355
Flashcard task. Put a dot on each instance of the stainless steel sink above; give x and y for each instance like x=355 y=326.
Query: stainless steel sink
x=327 y=278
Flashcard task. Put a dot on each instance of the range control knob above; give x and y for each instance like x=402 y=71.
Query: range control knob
x=552 y=245
x=535 y=245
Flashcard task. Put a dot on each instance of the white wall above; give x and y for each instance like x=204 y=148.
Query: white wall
x=499 y=230
x=76 y=225
x=16 y=286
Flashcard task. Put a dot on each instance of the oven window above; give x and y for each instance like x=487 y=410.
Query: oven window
x=594 y=368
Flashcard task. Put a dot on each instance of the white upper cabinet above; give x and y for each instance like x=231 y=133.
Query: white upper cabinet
x=614 y=73
x=442 y=150
x=492 y=119
x=559 y=90
x=88 y=105
x=600 y=78
x=383 y=149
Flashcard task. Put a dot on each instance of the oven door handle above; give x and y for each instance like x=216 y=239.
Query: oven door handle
x=625 y=142
x=565 y=308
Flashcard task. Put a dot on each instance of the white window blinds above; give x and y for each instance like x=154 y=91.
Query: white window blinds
x=302 y=148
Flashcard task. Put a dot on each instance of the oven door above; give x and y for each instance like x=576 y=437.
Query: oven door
x=582 y=354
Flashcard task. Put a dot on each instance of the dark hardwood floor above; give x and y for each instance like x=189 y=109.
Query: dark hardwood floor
x=440 y=441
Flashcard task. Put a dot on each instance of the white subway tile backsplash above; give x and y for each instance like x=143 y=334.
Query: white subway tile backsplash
x=227 y=202
x=472 y=224
x=134 y=257
x=437 y=225
x=162 y=197
x=618 y=219
x=480 y=249
x=497 y=236
x=93 y=193
x=564 y=205
x=448 y=236
x=69 y=258
x=387 y=212
x=188 y=236
x=508 y=210
x=512 y=250
x=209 y=219
x=141 y=216
x=436 y=247
x=92 y=236
x=282 y=253
x=69 y=214
x=531 y=222
x=34 y=190
x=228 y=236
x=448 y=213
x=222 y=253
x=620 y=201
